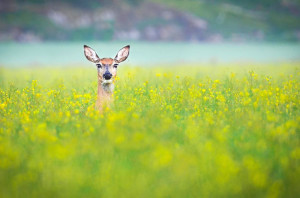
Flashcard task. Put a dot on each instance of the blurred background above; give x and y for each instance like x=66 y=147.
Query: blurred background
x=40 y=32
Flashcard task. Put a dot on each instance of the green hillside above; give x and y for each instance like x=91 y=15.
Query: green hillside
x=170 y=20
x=276 y=18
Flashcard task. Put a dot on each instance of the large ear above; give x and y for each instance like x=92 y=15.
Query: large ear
x=90 y=54
x=122 y=54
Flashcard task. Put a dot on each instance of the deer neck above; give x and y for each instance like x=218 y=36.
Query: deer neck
x=105 y=89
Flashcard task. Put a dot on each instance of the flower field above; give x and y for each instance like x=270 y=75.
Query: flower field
x=176 y=131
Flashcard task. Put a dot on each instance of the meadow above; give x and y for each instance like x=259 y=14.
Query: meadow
x=222 y=130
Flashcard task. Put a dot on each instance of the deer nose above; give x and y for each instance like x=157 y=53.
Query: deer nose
x=107 y=75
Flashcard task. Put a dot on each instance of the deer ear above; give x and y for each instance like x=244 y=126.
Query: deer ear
x=90 y=54
x=122 y=54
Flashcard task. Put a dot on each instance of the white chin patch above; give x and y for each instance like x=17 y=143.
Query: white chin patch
x=107 y=81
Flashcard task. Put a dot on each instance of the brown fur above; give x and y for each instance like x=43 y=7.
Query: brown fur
x=108 y=61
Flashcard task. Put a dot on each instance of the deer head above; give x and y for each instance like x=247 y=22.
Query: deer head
x=107 y=67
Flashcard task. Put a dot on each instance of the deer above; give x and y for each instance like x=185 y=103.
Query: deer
x=107 y=72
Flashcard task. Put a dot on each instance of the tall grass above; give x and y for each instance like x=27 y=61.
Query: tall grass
x=181 y=131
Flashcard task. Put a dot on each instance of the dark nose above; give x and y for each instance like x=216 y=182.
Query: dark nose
x=107 y=75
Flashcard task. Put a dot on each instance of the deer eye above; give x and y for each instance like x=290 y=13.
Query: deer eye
x=99 y=65
x=115 y=65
